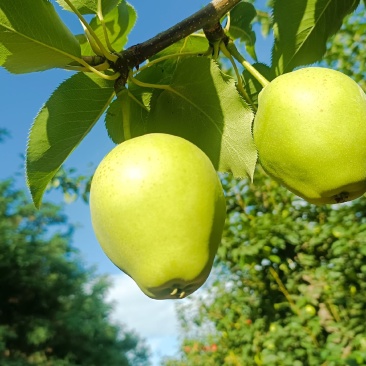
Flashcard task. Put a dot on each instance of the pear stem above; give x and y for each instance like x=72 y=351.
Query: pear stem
x=126 y=117
x=253 y=71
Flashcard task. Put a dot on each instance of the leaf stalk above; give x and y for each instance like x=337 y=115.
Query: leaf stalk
x=106 y=54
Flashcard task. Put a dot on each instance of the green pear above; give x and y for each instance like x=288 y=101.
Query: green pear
x=158 y=211
x=310 y=132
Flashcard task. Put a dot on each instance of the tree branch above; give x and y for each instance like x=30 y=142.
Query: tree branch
x=206 y=18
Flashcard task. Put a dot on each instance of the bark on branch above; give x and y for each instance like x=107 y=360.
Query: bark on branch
x=206 y=18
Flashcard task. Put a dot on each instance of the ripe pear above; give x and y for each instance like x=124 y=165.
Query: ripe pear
x=158 y=211
x=310 y=132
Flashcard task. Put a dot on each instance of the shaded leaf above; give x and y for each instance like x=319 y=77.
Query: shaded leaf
x=62 y=123
x=125 y=117
x=202 y=105
x=137 y=98
x=302 y=28
x=346 y=51
x=241 y=17
x=33 y=37
x=162 y=72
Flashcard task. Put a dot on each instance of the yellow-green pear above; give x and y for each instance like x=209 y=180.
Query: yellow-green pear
x=158 y=211
x=310 y=131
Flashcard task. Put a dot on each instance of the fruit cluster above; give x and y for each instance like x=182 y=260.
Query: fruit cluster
x=157 y=205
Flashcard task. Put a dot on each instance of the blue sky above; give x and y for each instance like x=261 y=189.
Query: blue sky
x=21 y=98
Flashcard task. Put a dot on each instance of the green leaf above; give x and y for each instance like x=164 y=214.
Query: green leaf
x=132 y=106
x=162 y=72
x=33 y=37
x=241 y=17
x=90 y=6
x=60 y=126
x=158 y=73
x=202 y=105
x=125 y=117
x=196 y=43
x=302 y=28
x=119 y=23
x=346 y=51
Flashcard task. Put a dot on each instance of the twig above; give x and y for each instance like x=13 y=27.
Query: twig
x=204 y=18
x=293 y=306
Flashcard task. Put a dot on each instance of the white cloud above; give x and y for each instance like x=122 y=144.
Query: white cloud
x=154 y=320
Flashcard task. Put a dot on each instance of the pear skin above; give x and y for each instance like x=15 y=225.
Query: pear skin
x=158 y=211
x=310 y=132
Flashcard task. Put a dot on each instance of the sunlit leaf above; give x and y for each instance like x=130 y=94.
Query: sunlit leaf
x=33 y=37
x=241 y=17
x=90 y=6
x=62 y=123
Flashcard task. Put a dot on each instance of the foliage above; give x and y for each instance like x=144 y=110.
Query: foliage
x=301 y=39
x=52 y=309
x=43 y=45
x=290 y=284
x=182 y=82
x=71 y=184
x=71 y=118
x=346 y=50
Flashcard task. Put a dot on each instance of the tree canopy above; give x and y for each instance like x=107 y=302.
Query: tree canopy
x=52 y=308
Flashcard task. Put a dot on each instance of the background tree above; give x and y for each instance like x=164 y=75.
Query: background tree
x=289 y=284
x=52 y=308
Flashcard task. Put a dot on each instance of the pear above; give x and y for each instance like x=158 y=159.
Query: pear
x=310 y=132
x=158 y=211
